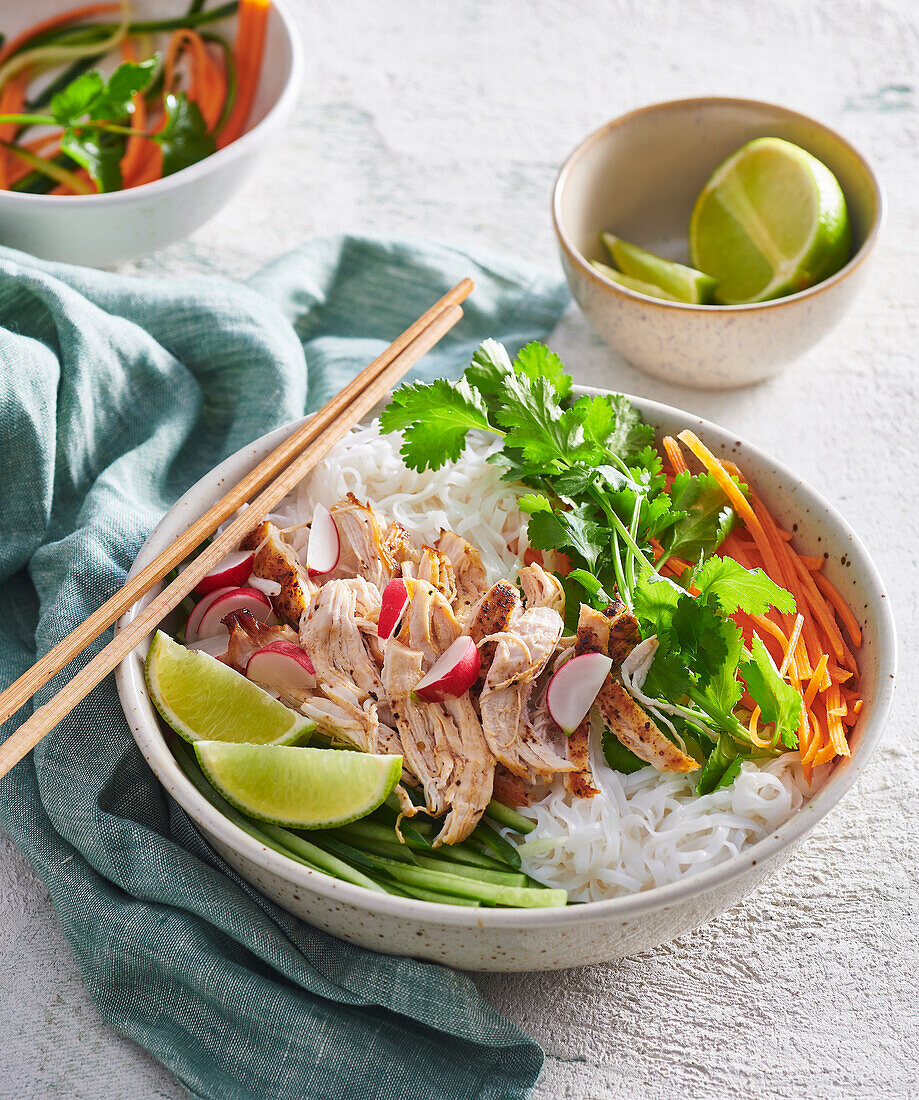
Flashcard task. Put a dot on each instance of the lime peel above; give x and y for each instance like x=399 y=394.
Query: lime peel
x=299 y=787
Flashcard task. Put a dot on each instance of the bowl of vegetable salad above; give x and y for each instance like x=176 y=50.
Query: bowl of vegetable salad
x=127 y=125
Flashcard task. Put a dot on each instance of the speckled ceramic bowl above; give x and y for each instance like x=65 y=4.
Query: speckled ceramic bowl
x=544 y=939
x=638 y=177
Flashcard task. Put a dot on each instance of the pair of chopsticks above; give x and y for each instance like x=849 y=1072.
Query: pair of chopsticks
x=273 y=478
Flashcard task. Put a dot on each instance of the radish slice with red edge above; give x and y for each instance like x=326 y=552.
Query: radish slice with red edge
x=283 y=666
x=572 y=690
x=392 y=607
x=324 y=546
x=452 y=674
x=230 y=572
x=199 y=610
x=235 y=599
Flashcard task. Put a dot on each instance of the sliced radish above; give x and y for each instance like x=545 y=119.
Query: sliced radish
x=199 y=610
x=324 y=546
x=572 y=690
x=392 y=607
x=283 y=666
x=227 y=601
x=230 y=572
x=453 y=673
x=213 y=647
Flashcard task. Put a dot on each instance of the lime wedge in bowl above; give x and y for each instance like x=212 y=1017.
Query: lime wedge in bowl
x=771 y=221
x=683 y=283
x=302 y=788
x=638 y=285
x=203 y=699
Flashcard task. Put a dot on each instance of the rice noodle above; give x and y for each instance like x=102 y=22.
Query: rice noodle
x=641 y=830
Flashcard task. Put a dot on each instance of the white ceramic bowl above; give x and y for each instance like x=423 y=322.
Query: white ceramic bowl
x=638 y=177
x=100 y=230
x=544 y=939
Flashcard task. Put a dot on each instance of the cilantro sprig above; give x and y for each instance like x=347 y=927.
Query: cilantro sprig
x=94 y=114
x=596 y=492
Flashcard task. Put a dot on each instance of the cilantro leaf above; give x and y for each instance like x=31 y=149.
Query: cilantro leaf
x=721 y=768
x=631 y=435
x=701 y=518
x=736 y=588
x=74 y=102
x=723 y=689
x=184 y=139
x=99 y=153
x=536 y=361
x=619 y=758
x=489 y=367
x=575 y=530
x=438 y=417
x=599 y=597
x=544 y=434
x=125 y=82
x=777 y=700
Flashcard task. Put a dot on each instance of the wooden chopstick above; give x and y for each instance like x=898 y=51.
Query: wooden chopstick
x=305 y=447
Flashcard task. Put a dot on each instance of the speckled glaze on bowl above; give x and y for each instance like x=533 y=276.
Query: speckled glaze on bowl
x=638 y=177
x=113 y=228
x=545 y=939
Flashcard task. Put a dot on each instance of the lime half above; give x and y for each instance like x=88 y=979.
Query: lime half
x=300 y=787
x=638 y=285
x=683 y=283
x=204 y=699
x=771 y=221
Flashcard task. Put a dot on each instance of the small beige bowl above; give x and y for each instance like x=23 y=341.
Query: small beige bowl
x=638 y=177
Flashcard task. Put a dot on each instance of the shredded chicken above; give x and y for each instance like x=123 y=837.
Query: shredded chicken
x=364 y=552
x=542 y=589
x=521 y=653
x=468 y=570
x=429 y=628
x=434 y=567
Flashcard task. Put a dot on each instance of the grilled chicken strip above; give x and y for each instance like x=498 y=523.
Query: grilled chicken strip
x=348 y=682
x=542 y=589
x=276 y=560
x=364 y=550
x=468 y=570
x=428 y=628
x=521 y=654
x=616 y=633
x=247 y=634
x=493 y=614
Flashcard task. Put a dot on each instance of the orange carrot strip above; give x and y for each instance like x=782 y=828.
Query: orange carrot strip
x=12 y=100
x=792 y=643
x=754 y=731
x=819 y=606
x=842 y=609
x=247 y=49
x=814 y=564
x=677 y=462
x=59 y=20
x=816 y=680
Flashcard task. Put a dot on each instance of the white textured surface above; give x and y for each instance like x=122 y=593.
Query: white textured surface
x=449 y=121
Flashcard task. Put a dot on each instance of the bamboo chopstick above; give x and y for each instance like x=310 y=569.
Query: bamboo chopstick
x=306 y=447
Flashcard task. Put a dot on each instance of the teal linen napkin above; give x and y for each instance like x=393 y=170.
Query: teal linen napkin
x=116 y=394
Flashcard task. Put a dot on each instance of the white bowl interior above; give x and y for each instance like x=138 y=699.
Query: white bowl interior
x=452 y=933
x=639 y=176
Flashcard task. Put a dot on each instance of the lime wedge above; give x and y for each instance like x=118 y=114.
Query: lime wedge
x=684 y=283
x=299 y=787
x=204 y=699
x=771 y=221
x=638 y=285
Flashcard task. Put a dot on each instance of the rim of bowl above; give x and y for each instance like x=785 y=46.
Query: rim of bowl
x=152 y=743
x=577 y=257
x=233 y=151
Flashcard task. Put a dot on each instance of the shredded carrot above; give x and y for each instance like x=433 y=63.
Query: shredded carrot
x=677 y=462
x=842 y=609
x=12 y=99
x=816 y=659
x=247 y=50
